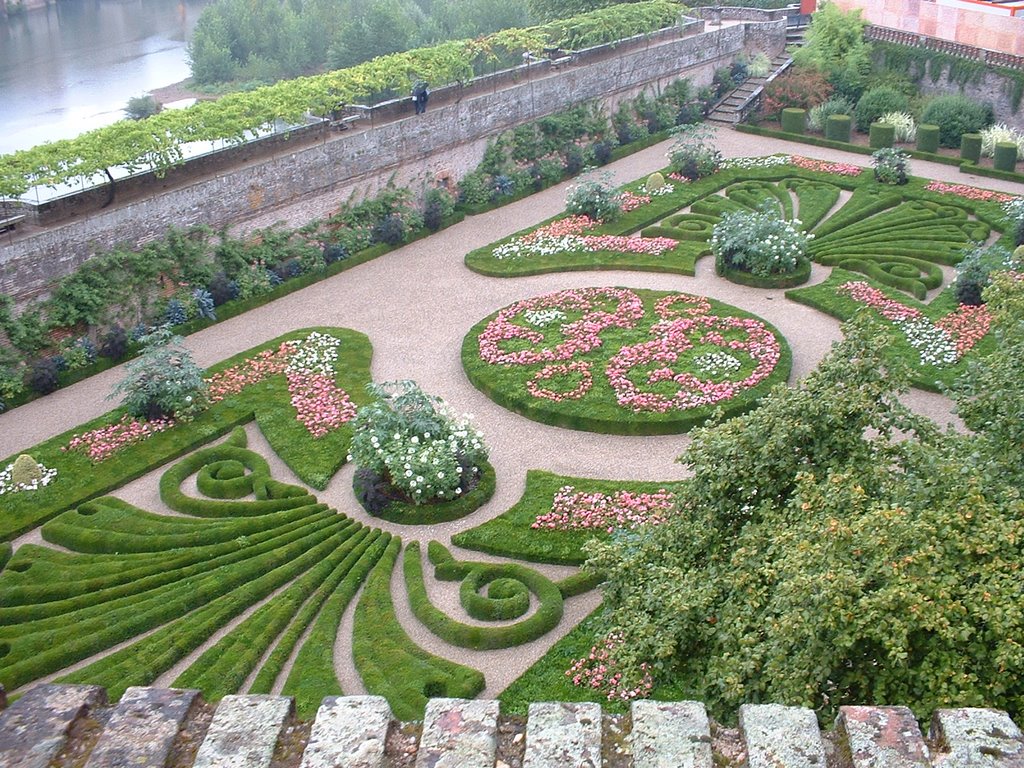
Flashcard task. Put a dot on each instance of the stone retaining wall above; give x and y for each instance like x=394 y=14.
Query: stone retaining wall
x=446 y=141
x=157 y=728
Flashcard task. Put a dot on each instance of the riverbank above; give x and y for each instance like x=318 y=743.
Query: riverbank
x=183 y=89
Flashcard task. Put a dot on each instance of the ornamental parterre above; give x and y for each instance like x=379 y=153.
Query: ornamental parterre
x=635 y=355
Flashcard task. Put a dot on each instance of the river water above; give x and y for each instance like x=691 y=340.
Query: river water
x=73 y=65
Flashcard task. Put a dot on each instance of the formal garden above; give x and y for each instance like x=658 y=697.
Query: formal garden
x=824 y=545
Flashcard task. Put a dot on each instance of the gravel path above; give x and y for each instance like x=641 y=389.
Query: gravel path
x=417 y=303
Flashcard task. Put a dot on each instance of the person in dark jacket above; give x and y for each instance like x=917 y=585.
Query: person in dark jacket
x=420 y=94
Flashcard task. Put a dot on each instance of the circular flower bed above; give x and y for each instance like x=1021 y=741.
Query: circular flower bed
x=760 y=248
x=624 y=361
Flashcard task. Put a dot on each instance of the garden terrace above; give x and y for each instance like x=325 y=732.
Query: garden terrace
x=228 y=554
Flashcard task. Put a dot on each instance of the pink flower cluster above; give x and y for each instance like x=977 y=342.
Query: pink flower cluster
x=650 y=246
x=969 y=193
x=599 y=671
x=580 y=336
x=966 y=326
x=678 y=337
x=678 y=177
x=254 y=369
x=570 y=225
x=573 y=510
x=632 y=201
x=863 y=293
x=102 y=443
x=321 y=405
x=555 y=372
x=840 y=169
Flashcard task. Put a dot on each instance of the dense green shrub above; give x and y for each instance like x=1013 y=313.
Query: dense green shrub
x=973 y=273
x=794 y=120
x=875 y=103
x=1005 y=156
x=163 y=382
x=692 y=154
x=881 y=135
x=928 y=137
x=42 y=376
x=800 y=87
x=892 y=166
x=594 y=196
x=970 y=147
x=956 y=115
x=819 y=115
x=838 y=127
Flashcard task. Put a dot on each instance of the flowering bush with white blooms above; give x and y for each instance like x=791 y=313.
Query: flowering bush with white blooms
x=760 y=242
x=414 y=442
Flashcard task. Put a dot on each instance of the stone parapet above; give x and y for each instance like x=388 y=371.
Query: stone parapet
x=73 y=725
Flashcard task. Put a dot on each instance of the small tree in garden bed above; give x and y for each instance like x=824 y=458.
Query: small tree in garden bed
x=692 y=154
x=594 y=196
x=891 y=165
x=164 y=381
x=760 y=242
x=409 y=445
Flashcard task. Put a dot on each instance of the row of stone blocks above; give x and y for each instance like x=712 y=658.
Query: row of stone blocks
x=63 y=725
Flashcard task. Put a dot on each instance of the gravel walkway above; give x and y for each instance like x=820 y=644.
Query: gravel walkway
x=418 y=302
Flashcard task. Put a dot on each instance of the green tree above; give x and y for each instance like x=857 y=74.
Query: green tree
x=548 y=10
x=836 y=47
x=163 y=382
x=833 y=548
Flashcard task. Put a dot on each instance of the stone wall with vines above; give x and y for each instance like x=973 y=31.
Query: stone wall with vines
x=451 y=137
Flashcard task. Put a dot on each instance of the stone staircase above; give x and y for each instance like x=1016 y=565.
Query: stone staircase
x=65 y=726
x=738 y=103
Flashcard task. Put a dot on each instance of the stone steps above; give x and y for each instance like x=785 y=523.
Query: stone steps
x=73 y=725
x=727 y=110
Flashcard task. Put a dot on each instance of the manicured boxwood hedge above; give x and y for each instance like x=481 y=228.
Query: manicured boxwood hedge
x=799 y=276
x=544 y=619
x=389 y=663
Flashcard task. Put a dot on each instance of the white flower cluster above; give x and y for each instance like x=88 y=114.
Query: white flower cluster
x=541 y=317
x=716 y=363
x=933 y=344
x=541 y=245
x=7 y=484
x=664 y=189
x=317 y=353
x=769 y=161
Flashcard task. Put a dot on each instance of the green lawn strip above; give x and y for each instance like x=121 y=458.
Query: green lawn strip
x=388 y=661
x=546 y=679
x=477 y=637
x=224 y=667
x=79 y=479
x=511 y=534
x=824 y=297
x=442 y=512
x=312 y=676
x=598 y=410
x=45 y=583
x=144 y=660
x=74 y=635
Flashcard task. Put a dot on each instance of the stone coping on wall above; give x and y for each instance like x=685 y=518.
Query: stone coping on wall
x=156 y=727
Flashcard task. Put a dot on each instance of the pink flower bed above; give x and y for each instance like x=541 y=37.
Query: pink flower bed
x=841 y=169
x=580 y=336
x=941 y=343
x=573 y=510
x=652 y=361
x=233 y=380
x=321 y=406
x=966 y=326
x=599 y=671
x=631 y=201
x=566 y=236
x=100 y=444
x=969 y=193
x=655 y=375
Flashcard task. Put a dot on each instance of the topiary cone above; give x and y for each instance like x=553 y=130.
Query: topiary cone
x=26 y=470
x=654 y=182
